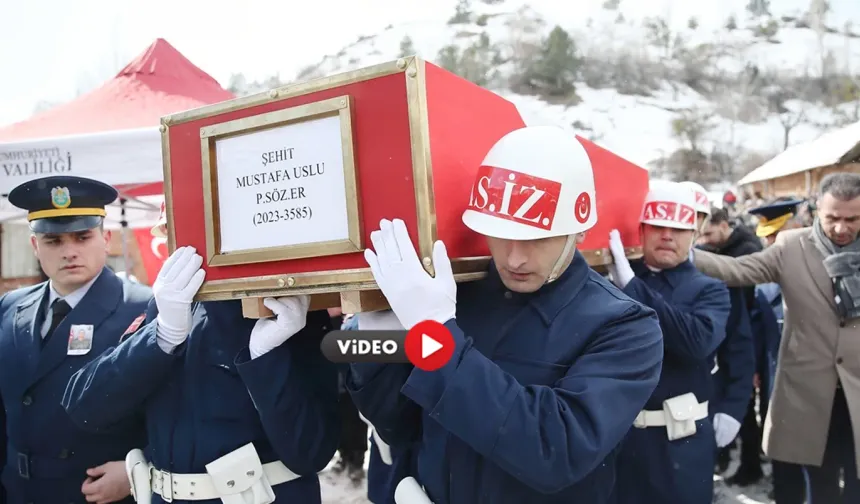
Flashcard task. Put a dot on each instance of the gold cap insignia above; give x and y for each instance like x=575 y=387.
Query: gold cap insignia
x=60 y=197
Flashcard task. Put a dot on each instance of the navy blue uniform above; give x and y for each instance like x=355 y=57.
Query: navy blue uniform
x=693 y=310
x=382 y=479
x=539 y=391
x=209 y=398
x=736 y=361
x=46 y=454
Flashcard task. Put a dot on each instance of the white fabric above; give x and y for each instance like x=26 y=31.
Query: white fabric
x=537 y=158
x=384 y=320
x=725 y=429
x=72 y=299
x=291 y=315
x=196 y=487
x=131 y=156
x=620 y=270
x=178 y=281
x=413 y=295
x=657 y=418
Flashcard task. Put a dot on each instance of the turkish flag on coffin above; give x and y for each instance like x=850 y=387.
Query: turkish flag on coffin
x=153 y=253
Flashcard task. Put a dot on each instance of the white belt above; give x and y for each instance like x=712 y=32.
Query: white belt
x=657 y=418
x=200 y=486
x=716 y=367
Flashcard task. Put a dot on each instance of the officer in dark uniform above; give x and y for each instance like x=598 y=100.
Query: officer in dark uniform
x=236 y=409
x=48 y=332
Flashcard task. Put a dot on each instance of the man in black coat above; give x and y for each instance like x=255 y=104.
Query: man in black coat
x=736 y=356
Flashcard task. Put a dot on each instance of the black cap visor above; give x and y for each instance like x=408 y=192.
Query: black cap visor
x=60 y=225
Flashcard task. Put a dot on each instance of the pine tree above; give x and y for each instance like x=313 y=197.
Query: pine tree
x=407 y=48
x=759 y=7
x=449 y=58
x=556 y=66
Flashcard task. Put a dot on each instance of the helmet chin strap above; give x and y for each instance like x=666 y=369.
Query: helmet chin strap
x=563 y=259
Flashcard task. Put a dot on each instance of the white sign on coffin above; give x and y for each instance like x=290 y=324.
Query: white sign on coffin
x=282 y=186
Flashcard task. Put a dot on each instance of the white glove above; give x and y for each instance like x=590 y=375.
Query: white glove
x=384 y=320
x=725 y=429
x=178 y=281
x=621 y=271
x=291 y=315
x=413 y=295
x=384 y=449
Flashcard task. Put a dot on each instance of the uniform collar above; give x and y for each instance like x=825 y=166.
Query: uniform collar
x=672 y=275
x=74 y=297
x=549 y=300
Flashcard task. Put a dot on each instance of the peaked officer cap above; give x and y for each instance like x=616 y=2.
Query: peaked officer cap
x=63 y=204
x=774 y=215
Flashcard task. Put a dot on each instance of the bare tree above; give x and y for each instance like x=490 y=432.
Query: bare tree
x=789 y=120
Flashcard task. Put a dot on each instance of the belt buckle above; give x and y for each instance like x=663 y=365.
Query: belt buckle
x=23 y=466
x=166 y=486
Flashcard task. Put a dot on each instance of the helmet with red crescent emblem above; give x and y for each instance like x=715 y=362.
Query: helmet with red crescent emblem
x=536 y=182
x=669 y=204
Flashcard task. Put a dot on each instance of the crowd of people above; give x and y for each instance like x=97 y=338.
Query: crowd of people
x=566 y=384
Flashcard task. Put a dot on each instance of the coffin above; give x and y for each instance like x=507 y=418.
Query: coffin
x=279 y=191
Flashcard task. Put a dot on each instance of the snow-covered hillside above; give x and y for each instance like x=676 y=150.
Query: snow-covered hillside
x=639 y=125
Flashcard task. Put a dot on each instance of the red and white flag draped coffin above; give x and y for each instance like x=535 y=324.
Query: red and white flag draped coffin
x=412 y=138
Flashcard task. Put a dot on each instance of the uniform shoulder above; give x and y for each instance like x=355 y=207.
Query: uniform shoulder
x=702 y=281
x=12 y=298
x=602 y=293
x=16 y=295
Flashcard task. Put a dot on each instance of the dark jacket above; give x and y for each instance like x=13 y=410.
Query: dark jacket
x=736 y=357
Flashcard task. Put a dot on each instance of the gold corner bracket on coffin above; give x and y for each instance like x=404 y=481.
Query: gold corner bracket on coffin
x=422 y=169
x=465 y=270
x=164 y=128
x=290 y=91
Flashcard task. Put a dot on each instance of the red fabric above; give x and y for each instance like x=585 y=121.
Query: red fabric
x=159 y=82
x=153 y=253
x=383 y=158
x=137 y=190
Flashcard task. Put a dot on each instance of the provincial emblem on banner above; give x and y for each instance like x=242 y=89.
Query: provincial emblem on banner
x=60 y=197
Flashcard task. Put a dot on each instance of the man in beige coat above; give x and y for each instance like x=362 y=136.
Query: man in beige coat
x=817 y=387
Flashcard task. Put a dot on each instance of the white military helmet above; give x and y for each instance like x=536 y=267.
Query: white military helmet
x=670 y=204
x=156 y=230
x=536 y=182
x=703 y=204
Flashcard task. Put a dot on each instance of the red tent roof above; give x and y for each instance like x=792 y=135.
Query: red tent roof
x=159 y=82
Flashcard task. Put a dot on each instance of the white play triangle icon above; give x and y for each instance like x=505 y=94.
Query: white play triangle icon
x=429 y=346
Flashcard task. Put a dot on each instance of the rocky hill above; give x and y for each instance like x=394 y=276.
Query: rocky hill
x=705 y=96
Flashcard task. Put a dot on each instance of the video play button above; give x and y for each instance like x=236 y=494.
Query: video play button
x=429 y=345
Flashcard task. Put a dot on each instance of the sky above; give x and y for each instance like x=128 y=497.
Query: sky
x=51 y=49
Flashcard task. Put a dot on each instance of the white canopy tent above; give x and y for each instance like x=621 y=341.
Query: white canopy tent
x=123 y=159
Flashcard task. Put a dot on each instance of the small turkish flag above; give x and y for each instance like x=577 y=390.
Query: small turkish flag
x=153 y=252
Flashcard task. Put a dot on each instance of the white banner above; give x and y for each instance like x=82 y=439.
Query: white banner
x=115 y=158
